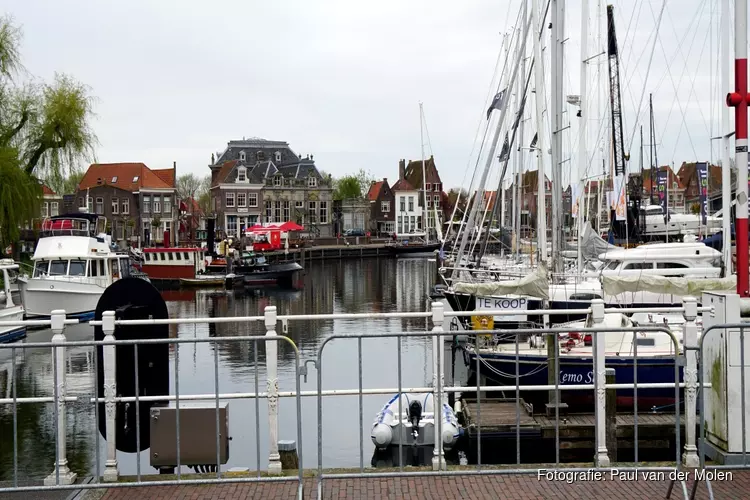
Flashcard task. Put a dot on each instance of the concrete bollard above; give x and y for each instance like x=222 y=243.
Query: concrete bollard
x=288 y=455
x=690 y=340
x=62 y=475
x=438 y=383
x=601 y=458
x=611 y=420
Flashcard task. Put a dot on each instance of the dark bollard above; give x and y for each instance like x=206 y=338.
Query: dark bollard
x=611 y=421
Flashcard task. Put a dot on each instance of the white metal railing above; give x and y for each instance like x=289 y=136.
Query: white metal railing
x=63 y=478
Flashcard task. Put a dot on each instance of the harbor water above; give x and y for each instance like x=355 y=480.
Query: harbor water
x=352 y=286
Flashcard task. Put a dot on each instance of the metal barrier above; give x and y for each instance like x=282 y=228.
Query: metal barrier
x=62 y=477
x=698 y=349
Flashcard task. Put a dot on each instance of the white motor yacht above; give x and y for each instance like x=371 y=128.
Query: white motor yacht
x=9 y=311
x=73 y=264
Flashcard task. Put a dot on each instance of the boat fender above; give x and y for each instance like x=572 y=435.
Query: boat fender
x=381 y=435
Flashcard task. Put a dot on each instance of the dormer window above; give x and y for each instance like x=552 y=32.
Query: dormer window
x=114 y=179
x=312 y=182
x=260 y=156
x=135 y=179
x=242 y=156
x=277 y=156
x=277 y=181
x=242 y=174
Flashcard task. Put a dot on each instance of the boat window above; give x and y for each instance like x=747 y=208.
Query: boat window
x=102 y=270
x=670 y=265
x=77 y=267
x=147 y=256
x=40 y=267
x=178 y=255
x=645 y=342
x=655 y=211
x=169 y=254
x=187 y=257
x=58 y=267
x=94 y=268
x=612 y=265
x=639 y=265
x=585 y=296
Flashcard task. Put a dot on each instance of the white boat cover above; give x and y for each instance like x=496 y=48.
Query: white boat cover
x=592 y=245
x=614 y=285
x=532 y=285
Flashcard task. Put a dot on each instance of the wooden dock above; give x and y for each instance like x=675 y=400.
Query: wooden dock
x=326 y=252
x=498 y=421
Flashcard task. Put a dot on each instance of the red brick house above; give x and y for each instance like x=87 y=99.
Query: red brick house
x=382 y=208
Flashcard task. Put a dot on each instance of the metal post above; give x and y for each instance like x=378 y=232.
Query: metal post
x=738 y=100
x=601 y=457
x=582 y=128
x=690 y=343
x=726 y=176
x=274 y=459
x=111 y=474
x=438 y=378
x=62 y=474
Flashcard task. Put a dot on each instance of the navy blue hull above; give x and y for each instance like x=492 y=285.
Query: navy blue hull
x=501 y=369
x=13 y=335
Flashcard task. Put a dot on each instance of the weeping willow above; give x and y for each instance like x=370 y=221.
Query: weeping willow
x=20 y=197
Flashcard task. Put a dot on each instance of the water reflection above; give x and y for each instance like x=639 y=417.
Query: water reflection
x=357 y=286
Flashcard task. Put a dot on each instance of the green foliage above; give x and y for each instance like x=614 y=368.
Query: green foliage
x=365 y=179
x=156 y=222
x=20 y=197
x=66 y=185
x=44 y=134
x=346 y=188
x=695 y=208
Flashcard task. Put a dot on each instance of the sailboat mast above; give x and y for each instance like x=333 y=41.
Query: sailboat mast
x=738 y=100
x=558 y=37
x=520 y=100
x=726 y=176
x=425 y=214
x=582 y=129
x=490 y=159
x=539 y=98
x=651 y=148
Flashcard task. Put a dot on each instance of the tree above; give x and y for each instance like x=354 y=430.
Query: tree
x=204 y=195
x=460 y=197
x=66 y=185
x=188 y=186
x=346 y=188
x=44 y=134
x=365 y=179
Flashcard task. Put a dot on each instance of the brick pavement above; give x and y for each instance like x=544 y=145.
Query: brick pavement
x=427 y=488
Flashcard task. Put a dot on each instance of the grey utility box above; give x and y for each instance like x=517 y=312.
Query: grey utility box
x=197 y=435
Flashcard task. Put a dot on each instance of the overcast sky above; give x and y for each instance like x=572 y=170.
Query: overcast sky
x=174 y=81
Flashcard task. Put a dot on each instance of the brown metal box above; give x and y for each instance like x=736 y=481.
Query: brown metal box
x=197 y=435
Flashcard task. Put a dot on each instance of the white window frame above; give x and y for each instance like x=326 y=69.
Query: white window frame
x=428 y=187
x=277 y=211
x=252 y=200
x=411 y=203
x=277 y=156
x=125 y=206
x=241 y=200
x=228 y=203
x=312 y=211
x=45 y=212
x=429 y=201
x=242 y=156
x=99 y=205
x=146 y=204
x=312 y=182
x=277 y=181
x=436 y=187
x=167 y=204
x=322 y=212
x=287 y=211
x=242 y=175
x=385 y=206
x=156 y=206
x=54 y=208
x=115 y=206
x=436 y=200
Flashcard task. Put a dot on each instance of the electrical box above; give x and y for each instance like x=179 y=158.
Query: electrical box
x=197 y=434
x=721 y=365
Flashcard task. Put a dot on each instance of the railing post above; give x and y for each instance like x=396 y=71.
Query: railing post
x=438 y=384
x=601 y=458
x=62 y=474
x=111 y=474
x=690 y=376
x=272 y=377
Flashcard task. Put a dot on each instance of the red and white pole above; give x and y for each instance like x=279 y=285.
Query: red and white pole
x=738 y=100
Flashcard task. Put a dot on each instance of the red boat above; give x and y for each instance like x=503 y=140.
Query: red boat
x=172 y=264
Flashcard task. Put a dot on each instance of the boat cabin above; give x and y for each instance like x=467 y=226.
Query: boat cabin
x=172 y=263
x=80 y=224
x=664 y=259
x=102 y=270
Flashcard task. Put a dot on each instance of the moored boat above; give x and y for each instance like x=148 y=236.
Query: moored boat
x=9 y=311
x=414 y=424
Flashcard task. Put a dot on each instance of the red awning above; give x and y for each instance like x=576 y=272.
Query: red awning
x=291 y=226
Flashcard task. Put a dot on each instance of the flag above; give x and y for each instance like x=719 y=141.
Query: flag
x=505 y=152
x=662 y=179
x=497 y=102
x=703 y=189
x=533 y=141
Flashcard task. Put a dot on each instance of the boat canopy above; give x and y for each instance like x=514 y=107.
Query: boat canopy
x=532 y=285
x=615 y=285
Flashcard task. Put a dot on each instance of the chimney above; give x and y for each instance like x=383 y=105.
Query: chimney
x=401 y=169
x=385 y=179
x=311 y=157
